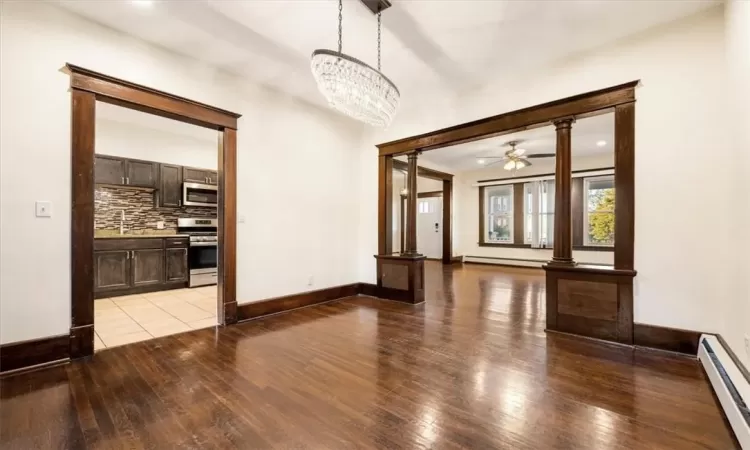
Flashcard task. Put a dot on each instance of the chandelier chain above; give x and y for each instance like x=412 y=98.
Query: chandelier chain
x=341 y=19
x=379 y=41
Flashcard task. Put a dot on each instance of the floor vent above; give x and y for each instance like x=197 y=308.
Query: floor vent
x=731 y=387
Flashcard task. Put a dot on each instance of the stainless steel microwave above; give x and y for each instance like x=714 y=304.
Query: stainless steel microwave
x=199 y=194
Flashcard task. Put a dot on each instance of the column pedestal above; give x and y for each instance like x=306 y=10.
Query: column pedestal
x=401 y=278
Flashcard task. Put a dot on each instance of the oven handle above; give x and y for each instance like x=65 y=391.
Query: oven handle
x=203 y=244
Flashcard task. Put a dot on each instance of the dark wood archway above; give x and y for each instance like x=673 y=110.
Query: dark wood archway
x=86 y=88
x=585 y=300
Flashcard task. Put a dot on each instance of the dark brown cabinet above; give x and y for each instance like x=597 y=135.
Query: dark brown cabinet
x=148 y=267
x=125 y=266
x=194 y=175
x=170 y=185
x=125 y=172
x=177 y=268
x=141 y=173
x=109 y=170
x=111 y=270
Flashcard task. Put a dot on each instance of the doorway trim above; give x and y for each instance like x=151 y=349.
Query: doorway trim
x=447 y=194
x=86 y=88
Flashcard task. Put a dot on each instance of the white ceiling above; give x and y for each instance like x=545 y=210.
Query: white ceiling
x=585 y=135
x=428 y=45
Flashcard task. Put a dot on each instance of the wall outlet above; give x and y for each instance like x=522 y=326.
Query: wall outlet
x=43 y=209
x=160 y=225
x=311 y=280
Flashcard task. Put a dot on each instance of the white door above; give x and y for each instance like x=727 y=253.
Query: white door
x=430 y=227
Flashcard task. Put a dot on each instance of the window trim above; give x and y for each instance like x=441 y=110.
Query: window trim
x=484 y=216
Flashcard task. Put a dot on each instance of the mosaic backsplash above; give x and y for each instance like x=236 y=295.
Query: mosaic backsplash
x=140 y=212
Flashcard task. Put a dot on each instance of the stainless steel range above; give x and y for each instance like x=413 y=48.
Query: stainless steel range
x=203 y=251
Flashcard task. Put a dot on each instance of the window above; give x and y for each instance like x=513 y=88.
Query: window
x=539 y=199
x=424 y=207
x=599 y=219
x=498 y=203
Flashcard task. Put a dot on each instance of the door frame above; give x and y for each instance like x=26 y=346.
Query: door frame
x=386 y=238
x=86 y=88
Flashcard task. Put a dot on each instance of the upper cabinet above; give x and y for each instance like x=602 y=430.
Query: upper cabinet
x=194 y=175
x=170 y=185
x=125 y=172
x=109 y=170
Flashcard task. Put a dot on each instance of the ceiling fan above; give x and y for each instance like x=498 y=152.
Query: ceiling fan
x=514 y=158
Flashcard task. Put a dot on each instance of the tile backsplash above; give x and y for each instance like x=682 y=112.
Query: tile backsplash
x=140 y=211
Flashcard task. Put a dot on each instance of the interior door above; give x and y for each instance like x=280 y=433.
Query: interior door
x=430 y=227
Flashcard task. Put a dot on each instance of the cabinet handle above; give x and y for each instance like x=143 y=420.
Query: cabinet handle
x=179 y=203
x=127 y=180
x=122 y=180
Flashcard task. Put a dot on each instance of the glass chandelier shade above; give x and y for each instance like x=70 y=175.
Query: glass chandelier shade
x=353 y=87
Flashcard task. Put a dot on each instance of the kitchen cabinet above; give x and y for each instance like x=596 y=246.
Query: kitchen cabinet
x=148 y=267
x=177 y=264
x=125 y=172
x=141 y=173
x=195 y=175
x=127 y=265
x=111 y=270
x=170 y=185
x=109 y=170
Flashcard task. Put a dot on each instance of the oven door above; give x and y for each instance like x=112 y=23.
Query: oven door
x=202 y=257
x=197 y=194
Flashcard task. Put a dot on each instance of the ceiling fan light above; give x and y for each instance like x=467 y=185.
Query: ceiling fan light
x=481 y=161
x=510 y=165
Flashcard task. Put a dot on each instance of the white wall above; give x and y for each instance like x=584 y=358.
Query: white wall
x=295 y=226
x=468 y=196
x=130 y=140
x=737 y=314
x=681 y=112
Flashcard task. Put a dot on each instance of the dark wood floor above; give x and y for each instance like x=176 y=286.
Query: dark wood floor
x=472 y=368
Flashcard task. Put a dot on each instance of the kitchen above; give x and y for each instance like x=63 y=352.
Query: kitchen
x=155 y=227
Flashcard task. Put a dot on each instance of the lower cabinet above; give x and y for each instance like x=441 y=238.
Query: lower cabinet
x=177 y=265
x=130 y=266
x=148 y=267
x=111 y=270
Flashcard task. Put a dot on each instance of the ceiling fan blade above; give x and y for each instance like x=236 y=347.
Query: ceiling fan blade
x=526 y=161
x=519 y=151
x=541 y=155
x=490 y=157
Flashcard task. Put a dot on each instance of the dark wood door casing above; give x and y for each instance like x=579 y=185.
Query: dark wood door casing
x=87 y=87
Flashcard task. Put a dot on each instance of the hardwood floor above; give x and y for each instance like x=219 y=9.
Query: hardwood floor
x=471 y=368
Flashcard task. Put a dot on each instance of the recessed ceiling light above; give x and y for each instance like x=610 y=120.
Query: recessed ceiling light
x=143 y=3
x=601 y=143
x=480 y=161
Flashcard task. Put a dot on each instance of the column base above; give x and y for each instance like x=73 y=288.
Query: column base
x=401 y=277
x=563 y=262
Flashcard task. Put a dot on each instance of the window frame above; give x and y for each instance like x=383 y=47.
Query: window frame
x=586 y=239
x=484 y=216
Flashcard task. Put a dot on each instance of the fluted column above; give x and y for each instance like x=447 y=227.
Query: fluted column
x=562 y=253
x=411 y=206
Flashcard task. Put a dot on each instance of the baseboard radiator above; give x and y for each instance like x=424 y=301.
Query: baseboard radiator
x=731 y=387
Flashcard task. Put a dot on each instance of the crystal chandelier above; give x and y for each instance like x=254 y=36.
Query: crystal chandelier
x=352 y=86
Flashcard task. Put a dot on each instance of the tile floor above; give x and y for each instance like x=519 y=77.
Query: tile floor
x=132 y=318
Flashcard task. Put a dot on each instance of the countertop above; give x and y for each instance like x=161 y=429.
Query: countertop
x=139 y=236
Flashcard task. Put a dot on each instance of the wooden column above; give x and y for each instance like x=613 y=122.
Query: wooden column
x=624 y=185
x=411 y=207
x=385 y=205
x=563 y=246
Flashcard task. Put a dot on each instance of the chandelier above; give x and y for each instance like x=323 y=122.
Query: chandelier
x=353 y=87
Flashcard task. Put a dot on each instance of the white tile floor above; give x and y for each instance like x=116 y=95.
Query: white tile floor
x=133 y=318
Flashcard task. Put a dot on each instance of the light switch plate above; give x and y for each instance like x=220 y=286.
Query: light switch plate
x=241 y=219
x=43 y=209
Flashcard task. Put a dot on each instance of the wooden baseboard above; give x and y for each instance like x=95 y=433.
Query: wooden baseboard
x=457 y=260
x=34 y=354
x=277 y=305
x=667 y=339
x=368 y=289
